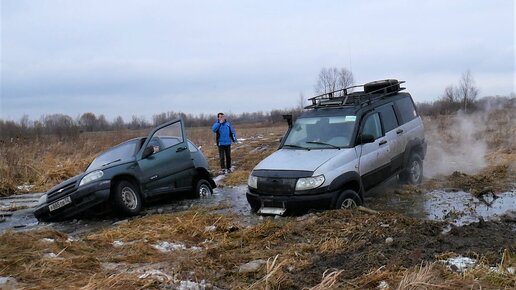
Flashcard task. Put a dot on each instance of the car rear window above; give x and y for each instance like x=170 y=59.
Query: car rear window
x=406 y=108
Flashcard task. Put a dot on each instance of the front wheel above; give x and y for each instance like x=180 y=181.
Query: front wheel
x=413 y=173
x=348 y=199
x=203 y=188
x=127 y=198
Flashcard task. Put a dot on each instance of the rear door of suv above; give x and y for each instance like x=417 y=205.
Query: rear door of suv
x=394 y=136
x=410 y=122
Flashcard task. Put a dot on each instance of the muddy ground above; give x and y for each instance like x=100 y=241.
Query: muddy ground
x=456 y=230
x=207 y=244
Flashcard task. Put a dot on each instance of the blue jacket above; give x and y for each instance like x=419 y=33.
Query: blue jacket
x=225 y=133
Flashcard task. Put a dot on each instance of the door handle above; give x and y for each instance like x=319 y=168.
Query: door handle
x=399 y=131
x=382 y=142
x=180 y=149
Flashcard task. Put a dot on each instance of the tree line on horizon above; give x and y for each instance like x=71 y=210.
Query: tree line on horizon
x=461 y=97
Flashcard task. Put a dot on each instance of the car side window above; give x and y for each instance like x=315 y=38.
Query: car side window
x=170 y=135
x=372 y=126
x=406 y=108
x=388 y=117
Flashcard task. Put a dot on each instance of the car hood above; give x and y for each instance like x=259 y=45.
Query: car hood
x=292 y=159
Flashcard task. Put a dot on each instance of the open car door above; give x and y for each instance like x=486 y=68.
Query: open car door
x=165 y=161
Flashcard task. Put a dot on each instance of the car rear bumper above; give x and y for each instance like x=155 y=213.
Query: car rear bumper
x=294 y=202
x=82 y=199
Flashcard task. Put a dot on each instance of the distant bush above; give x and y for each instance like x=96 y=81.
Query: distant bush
x=445 y=106
x=64 y=126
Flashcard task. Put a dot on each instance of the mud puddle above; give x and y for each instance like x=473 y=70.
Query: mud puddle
x=457 y=207
x=16 y=212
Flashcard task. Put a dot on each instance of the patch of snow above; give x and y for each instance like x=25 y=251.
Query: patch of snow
x=210 y=228
x=52 y=256
x=156 y=274
x=219 y=178
x=118 y=244
x=510 y=270
x=251 y=267
x=48 y=241
x=190 y=285
x=460 y=263
x=72 y=239
x=25 y=187
x=109 y=266
x=383 y=285
x=168 y=247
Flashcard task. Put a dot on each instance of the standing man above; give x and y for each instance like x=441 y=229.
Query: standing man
x=225 y=135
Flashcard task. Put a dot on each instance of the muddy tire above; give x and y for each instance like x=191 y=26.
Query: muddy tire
x=202 y=188
x=127 y=199
x=348 y=199
x=413 y=173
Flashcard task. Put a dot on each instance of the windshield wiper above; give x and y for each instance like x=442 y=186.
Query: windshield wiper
x=322 y=143
x=105 y=164
x=296 y=146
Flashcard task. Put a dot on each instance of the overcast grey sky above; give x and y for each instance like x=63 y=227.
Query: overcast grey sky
x=146 y=57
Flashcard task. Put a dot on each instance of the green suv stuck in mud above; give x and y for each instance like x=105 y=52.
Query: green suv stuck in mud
x=130 y=173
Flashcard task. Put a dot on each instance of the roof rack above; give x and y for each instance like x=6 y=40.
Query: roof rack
x=343 y=97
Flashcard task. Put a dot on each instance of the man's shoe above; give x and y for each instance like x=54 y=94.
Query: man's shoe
x=228 y=171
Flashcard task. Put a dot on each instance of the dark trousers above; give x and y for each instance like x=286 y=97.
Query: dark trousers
x=225 y=150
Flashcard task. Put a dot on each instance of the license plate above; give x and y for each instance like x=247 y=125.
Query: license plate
x=60 y=203
x=272 y=210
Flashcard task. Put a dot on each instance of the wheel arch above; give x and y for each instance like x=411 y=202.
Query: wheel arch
x=128 y=177
x=414 y=146
x=349 y=180
x=203 y=173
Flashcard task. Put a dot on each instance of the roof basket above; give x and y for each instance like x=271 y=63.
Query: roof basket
x=347 y=97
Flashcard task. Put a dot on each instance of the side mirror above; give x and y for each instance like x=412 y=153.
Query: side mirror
x=365 y=138
x=148 y=152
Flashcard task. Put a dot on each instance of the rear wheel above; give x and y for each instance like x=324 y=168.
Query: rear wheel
x=127 y=198
x=348 y=199
x=413 y=173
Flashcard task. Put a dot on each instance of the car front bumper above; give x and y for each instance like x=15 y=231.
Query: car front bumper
x=294 y=202
x=82 y=199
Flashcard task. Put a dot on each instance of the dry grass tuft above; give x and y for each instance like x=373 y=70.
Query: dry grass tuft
x=274 y=275
x=420 y=278
x=329 y=280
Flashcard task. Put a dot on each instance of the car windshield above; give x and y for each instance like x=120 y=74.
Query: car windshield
x=321 y=132
x=120 y=152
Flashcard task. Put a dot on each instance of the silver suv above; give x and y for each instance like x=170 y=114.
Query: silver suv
x=343 y=144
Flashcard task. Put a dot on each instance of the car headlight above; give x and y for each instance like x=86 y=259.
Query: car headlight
x=42 y=199
x=91 y=177
x=309 y=182
x=252 y=181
